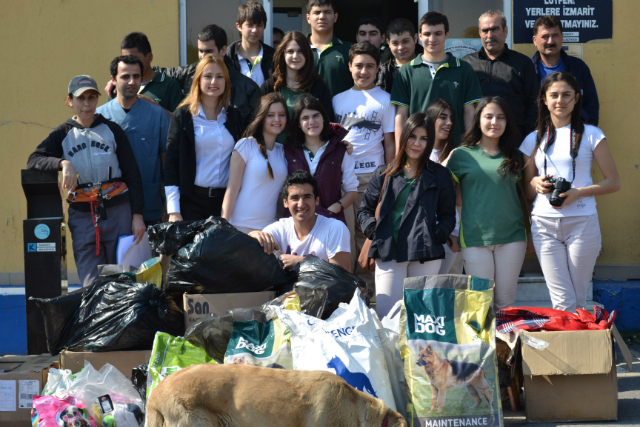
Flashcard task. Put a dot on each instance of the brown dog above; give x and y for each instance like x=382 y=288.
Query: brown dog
x=210 y=395
x=444 y=374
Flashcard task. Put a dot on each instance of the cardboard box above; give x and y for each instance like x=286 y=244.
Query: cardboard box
x=197 y=306
x=21 y=377
x=573 y=379
x=123 y=361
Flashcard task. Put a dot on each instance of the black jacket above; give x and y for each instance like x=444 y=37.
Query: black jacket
x=386 y=75
x=180 y=163
x=428 y=220
x=267 y=58
x=513 y=77
x=580 y=70
x=319 y=89
x=245 y=93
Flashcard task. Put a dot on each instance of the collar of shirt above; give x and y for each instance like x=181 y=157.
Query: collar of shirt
x=334 y=42
x=258 y=58
x=221 y=119
x=505 y=54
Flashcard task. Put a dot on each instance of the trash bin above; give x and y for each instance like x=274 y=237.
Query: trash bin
x=45 y=263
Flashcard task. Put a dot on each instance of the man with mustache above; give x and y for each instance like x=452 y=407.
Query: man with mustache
x=504 y=72
x=550 y=58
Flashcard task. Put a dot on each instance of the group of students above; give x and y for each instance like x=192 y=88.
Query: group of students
x=407 y=161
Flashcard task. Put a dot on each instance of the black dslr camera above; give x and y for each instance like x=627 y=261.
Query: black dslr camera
x=560 y=185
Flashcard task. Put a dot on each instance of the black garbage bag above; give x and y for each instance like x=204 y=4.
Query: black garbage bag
x=116 y=315
x=139 y=380
x=316 y=275
x=215 y=258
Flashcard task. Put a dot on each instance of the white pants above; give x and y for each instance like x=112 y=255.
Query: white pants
x=567 y=248
x=390 y=277
x=501 y=263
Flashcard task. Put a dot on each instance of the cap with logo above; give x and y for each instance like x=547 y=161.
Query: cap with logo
x=81 y=84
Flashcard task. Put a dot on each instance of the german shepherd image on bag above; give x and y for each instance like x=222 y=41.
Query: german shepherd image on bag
x=444 y=374
x=447 y=343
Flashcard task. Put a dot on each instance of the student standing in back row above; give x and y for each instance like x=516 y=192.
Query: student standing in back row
x=365 y=111
x=402 y=39
x=331 y=54
x=435 y=74
x=249 y=55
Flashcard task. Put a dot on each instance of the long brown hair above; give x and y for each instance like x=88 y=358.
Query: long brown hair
x=509 y=140
x=417 y=120
x=194 y=99
x=254 y=130
x=307 y=76
x=544 y=116
x=296 y=136
x=433 y=110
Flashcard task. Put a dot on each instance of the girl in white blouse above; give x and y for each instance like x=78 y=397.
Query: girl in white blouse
x=258 y=169
x=566 y=231
x=201 y=137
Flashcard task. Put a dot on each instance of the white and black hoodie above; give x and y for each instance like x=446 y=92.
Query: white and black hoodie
x=94 y=152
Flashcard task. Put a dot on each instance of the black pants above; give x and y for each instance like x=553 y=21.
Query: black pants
x=200 y=205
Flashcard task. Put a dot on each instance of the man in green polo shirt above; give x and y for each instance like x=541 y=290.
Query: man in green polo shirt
x=157 y=86
x=435 y=74
x=331 y=55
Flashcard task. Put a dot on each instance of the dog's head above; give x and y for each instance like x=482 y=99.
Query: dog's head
x=426 y=356
x=73 y=416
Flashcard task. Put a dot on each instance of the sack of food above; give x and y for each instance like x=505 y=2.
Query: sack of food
x=447 y=342
x=259 y=340
x=169 y=355
x=346 y=344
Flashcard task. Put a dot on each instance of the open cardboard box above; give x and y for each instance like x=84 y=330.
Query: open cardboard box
x=197 y=306
x=22 y=377
x=123 y=361
x=574 y=378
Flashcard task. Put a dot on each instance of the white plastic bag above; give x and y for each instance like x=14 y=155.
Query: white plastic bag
x=58 y=382
x=346 y=344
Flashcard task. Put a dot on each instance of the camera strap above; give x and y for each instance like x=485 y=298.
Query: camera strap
x=573 y=152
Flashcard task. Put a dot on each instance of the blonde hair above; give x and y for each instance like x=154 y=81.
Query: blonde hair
x=194 y=98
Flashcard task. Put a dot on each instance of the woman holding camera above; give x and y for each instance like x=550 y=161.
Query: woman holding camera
x=487 y=167
x=558 y=158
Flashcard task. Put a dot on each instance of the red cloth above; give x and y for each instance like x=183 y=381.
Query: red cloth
x=548 y=319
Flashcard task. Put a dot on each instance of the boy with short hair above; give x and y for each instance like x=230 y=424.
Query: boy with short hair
x=435 y=74
x=329 y=52
x=157 y=86
x=401 y=39
x=366 y=112
x=371 y=29
x=249 y=55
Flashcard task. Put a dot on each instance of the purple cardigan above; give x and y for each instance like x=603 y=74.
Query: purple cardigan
x=329 y=171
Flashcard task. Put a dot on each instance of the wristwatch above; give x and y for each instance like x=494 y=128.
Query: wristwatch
x=341 y=206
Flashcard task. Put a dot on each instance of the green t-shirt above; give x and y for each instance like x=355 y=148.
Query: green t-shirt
x=491 y=213
x=454 y=81
x=290 y=98
x=333 y=65
x=398 y=210
x=164 y=90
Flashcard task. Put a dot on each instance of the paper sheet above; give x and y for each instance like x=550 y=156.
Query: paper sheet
x=7 y=395
x=26 y=390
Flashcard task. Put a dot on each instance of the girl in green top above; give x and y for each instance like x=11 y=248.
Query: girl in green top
x=294 y=74
x=487 y=166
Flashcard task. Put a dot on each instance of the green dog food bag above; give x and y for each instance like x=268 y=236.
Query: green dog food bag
x=447 y=343
x=171 y=354
x=259 y=339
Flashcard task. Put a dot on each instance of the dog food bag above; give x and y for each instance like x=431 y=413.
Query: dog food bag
x=169 y=355
x=447 y=342
x=259 y=339
x=49 y=411
x=346 y=344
